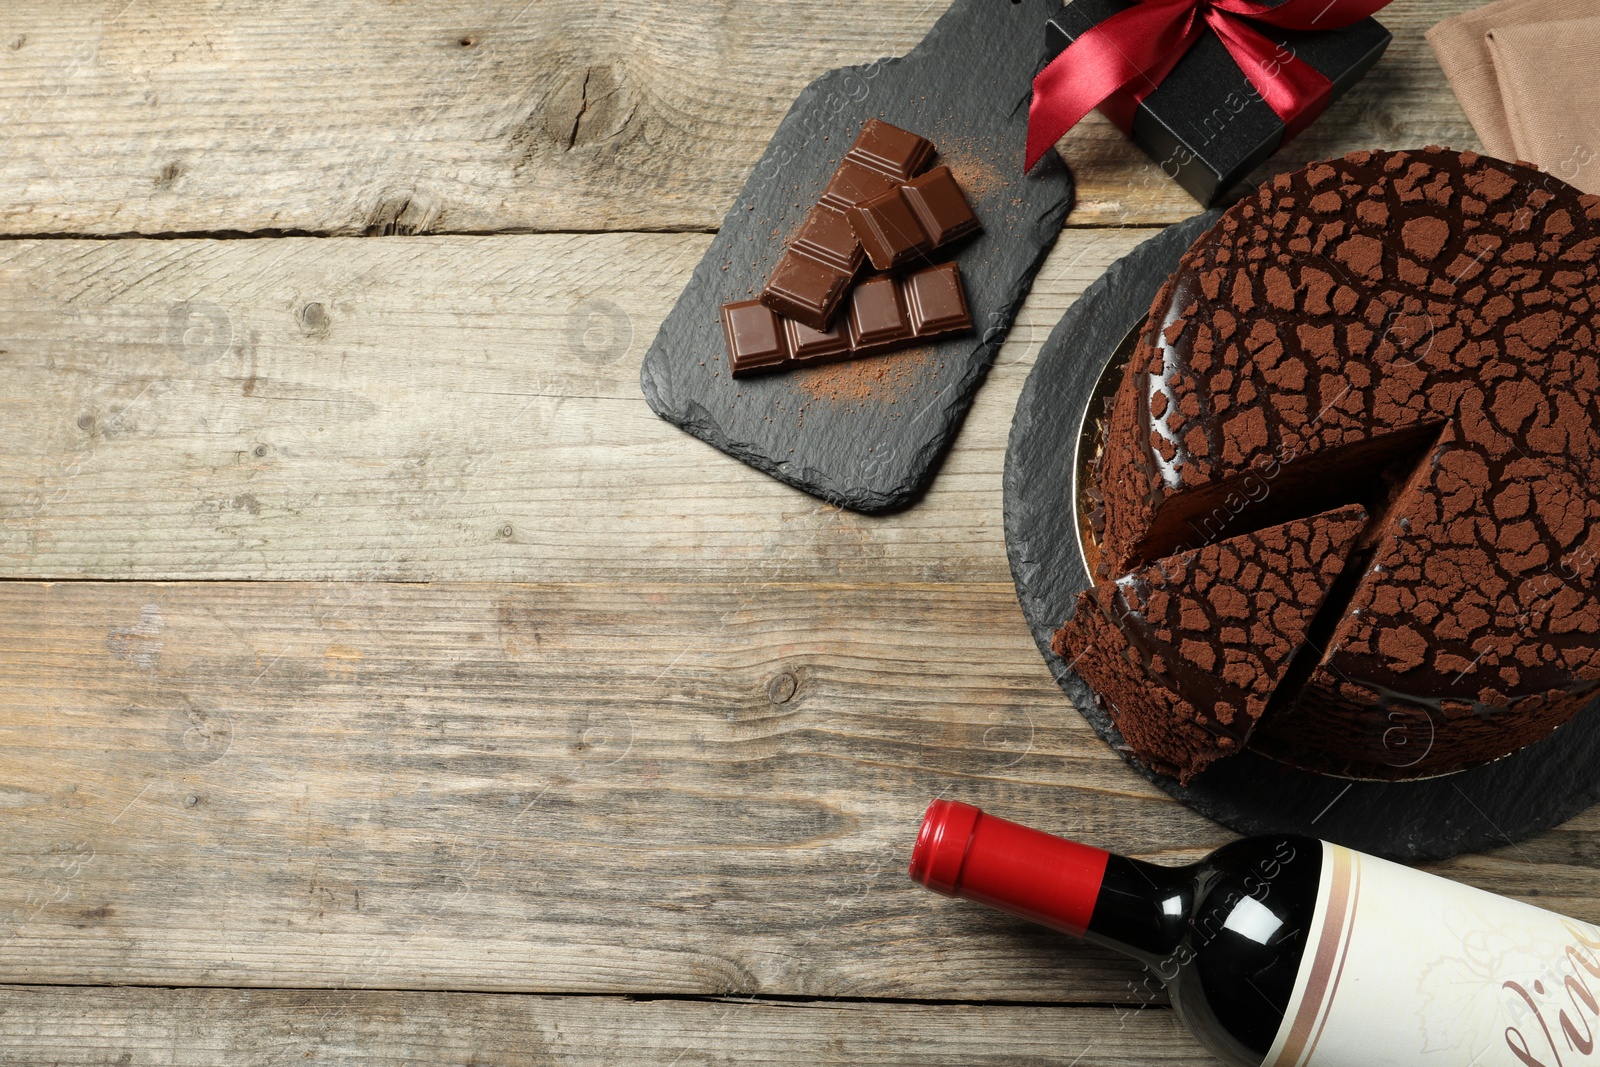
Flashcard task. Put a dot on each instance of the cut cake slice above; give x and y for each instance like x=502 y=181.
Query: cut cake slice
x=1187 y=651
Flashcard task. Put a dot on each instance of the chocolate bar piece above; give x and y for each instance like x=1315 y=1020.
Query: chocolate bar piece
x=886 y=313
x=940 y=205
x=755 y=336
x=816 y=270
x=911 y=220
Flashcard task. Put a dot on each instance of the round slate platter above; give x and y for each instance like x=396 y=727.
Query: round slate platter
x=1487 y=807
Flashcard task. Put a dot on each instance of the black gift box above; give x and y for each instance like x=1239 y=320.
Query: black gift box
x=1206 y=124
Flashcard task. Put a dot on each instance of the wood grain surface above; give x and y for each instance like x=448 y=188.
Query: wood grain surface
x=254 y=1028
x=636 y=788
x=380 y=682
x=601 y=788
x=442 y=409
x=370 y=117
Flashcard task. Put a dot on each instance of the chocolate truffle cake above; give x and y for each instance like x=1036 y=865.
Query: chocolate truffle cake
x=1188 y=650
x=1416 y=332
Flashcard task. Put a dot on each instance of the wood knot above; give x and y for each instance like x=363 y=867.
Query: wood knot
x=401 y=214
x=314 y=320
x=782 y=688
x=588 y=108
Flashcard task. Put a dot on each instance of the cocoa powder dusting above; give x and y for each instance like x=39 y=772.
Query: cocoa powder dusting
x=879 y=379
x=979 y=178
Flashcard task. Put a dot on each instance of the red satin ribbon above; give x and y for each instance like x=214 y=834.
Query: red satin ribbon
x=1134 y=50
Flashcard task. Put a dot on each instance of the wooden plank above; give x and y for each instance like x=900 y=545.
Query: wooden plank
x=447 y=408
x=356 y=116
x=596 y=788
x=269 y=1028
x=685 y=789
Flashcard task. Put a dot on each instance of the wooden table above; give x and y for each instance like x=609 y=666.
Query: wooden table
x=382 y=682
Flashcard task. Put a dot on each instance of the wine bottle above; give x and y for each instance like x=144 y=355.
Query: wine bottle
x=1293 y=952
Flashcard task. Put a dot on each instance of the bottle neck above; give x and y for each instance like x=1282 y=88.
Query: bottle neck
x=1143 y=910
x=1140 y=909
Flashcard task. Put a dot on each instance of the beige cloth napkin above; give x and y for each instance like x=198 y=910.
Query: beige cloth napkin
x=1527 y=73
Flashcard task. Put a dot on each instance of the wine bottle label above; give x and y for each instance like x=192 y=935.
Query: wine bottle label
x=1405 y=968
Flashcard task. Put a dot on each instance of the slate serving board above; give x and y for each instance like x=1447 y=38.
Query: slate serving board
x=1487 y=807
x=869 y=434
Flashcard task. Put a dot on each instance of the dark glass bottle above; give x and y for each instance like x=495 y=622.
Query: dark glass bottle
x=1226 y=935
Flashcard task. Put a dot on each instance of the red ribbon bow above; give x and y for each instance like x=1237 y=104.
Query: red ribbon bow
x=1134 y=50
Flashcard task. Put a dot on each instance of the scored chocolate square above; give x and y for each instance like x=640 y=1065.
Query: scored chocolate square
x=882 y=158
x=891 y=150
x=826 y=237
x=751 y=331
x=800 y=285
x=852 y=183
x=940 y=205
x=936 y=300
x=912 y=219
x=877 y=316
x=889 y=231
x=808 y=347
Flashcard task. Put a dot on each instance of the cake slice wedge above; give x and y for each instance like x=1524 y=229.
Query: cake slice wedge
x=1186 y=652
